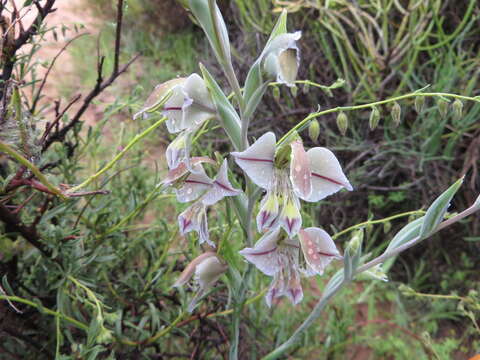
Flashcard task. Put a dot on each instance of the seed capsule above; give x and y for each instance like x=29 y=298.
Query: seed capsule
x=419 y=103
x=457 y=109
x=342 y=122
x=374 y=118
x=314 y=130
x=396 y=113
x=442 y=108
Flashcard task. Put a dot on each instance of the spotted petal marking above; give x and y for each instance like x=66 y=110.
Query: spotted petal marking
x=300 y=174
x=318 y=248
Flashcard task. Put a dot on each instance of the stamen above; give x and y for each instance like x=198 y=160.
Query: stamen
x=173 y=108
x=328 y=179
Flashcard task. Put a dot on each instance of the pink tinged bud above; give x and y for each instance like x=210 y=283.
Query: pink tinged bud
x=207 y=269
x=290 y=217
x=208 y=272
x=318 y=249
x=327 y=174
x=221 y=187
x=194 y=218
x=195 y=185
x=300 y=174
x=257 y=160
x=268 y=211
x=188 y=272
x=157 y=96
x=264 y=254
x=182 y=169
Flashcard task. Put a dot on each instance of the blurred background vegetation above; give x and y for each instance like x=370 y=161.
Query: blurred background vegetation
x=123 y=250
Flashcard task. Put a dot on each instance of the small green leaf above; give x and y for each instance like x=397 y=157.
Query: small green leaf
x=437 y=210
x=407 y=233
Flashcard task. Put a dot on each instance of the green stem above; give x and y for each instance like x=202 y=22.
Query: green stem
x=45 y=310
x=380 y=221
x=107 y=167
x=23 y=161
x=317 y=310
x=370 y=105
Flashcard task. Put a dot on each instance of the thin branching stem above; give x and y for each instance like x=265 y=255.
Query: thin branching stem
x=315 y=115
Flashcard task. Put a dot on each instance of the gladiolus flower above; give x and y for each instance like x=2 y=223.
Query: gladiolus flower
x=198 y=186
x=289 y=174
x=188 y=106
x=282 y=58
x=281 y=257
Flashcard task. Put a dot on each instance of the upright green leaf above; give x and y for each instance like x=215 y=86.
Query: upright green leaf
x=228 y=116
x=219 y=42
x=437 y=210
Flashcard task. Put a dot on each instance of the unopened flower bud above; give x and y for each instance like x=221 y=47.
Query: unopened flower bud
x=396 y=113
x=294 y=91
x=442 y=107
x=374 y=118
x=457 y=109
x=207 y=269
x=276 y=93
x=314 y=130
x=377 y=273
x=386 y=227
x=419 y=103
x=355 y=243
x=406 y=290
x=342 y=122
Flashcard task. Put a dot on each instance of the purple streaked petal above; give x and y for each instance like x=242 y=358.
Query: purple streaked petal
x=264 y=255
x=294 y=289
x=257 y=160
x=327 y=175
x=196 y=184
x=221 y=187
x=290 y=218
x=268 y=211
